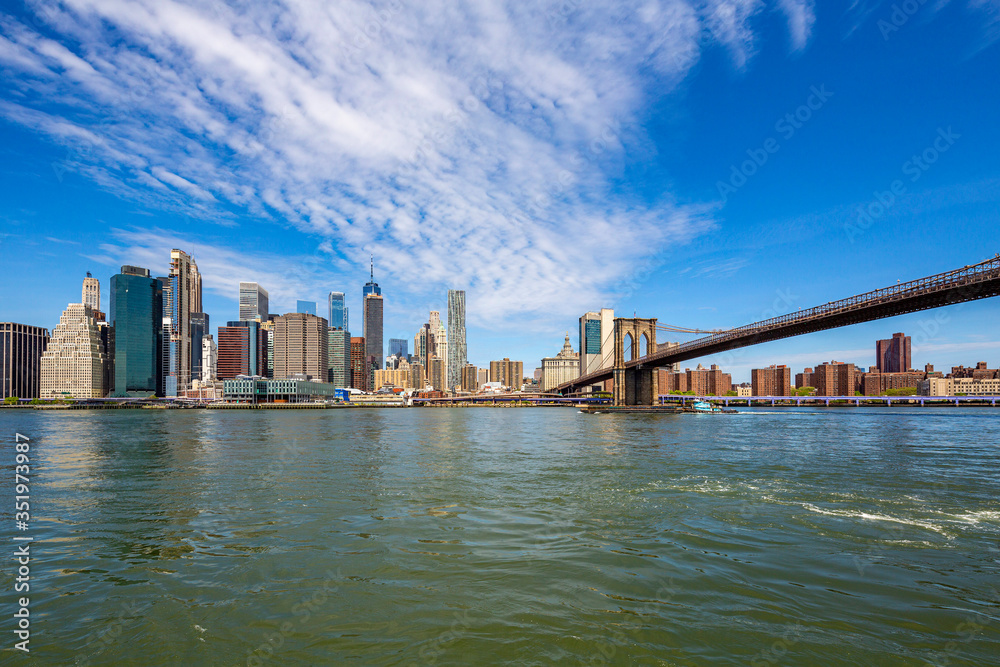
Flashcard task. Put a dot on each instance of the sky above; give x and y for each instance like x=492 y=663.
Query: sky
x=710 y=164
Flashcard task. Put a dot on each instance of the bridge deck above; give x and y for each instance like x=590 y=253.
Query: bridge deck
x=978 y=281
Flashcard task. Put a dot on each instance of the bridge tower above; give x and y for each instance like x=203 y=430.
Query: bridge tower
x=636 y=385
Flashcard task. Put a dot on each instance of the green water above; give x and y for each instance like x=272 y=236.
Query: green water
x=505 y=536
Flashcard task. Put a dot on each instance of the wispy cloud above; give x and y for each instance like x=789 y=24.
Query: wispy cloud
x=801 y=15
x=473 y=144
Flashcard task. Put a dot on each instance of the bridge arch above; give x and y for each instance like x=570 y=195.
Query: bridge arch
x=634 y=386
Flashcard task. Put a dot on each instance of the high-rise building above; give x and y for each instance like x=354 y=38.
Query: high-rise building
x=359 y=369
x=21 y=349
x=836 y=379
x=177 y=324
x=194 y=285
x=267 y=333
x=418 y=376
x=338 y=312
x=209 y=359
x=199 y=329
x=136 y=318
x=508 y=373
x=436 y=374
x=305 y=307
x=242 y=350
x=597 y=340
x=484 y=376
x=457 y=351
x=373 y=331
x=91 y=293
x=563 y=367
x=253 y=302
x=339 y=357
x=300 y=346
x=470 y=378
x=893 y=355
x=771 y=381
x=398 y=347
x=804 y=379
x=371 y=287
x=74 y=364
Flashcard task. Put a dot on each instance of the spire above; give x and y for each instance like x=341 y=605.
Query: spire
x=373 y=267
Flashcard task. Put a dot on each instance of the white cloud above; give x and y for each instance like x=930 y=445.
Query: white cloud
x=473 y=144
x=801 y=15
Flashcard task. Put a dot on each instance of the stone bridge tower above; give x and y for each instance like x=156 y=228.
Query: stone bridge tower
x=636 y=385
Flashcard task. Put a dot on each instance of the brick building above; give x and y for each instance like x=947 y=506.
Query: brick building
x=771 y=381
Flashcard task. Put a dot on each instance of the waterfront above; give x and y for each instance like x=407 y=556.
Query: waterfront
x=384 y=537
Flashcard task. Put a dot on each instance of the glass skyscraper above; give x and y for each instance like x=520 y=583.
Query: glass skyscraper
x=199 y=328
x=338 y=312
x=458 y=355
x=399 y=347
x=253 y=302
x=136 y=317
x=305 y=307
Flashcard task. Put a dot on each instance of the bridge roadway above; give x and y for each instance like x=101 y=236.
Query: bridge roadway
x=978 y=281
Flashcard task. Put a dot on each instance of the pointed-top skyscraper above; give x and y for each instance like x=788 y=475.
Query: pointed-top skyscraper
x=373 y=310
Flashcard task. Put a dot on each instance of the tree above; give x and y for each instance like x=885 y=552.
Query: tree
x=11 y=400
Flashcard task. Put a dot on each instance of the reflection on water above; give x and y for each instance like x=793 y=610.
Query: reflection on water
x=496 y=536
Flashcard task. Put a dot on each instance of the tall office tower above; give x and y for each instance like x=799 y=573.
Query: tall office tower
x=373 y=330
x=136 y=318
x=305 y=307
x=398 y=347
x=242 y=350
x=73 y=364
x=91 y=293
x=893 y=355
x=418 y=376
x=267 y=334
x=253 y=302
x=209 y=359
x=484 y=376
x=359 y=370
x=177 y=324
x=457 y=353
x=339 y=357
x=21 y=349
x=597 y=340
x=338 y=318
x=199 y=329
x=300 y=347
x=470 y=378
x=194 y=285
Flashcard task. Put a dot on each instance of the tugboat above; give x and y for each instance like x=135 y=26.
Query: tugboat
x=705 y=406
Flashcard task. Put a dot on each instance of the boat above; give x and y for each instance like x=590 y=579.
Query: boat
x=705 y=406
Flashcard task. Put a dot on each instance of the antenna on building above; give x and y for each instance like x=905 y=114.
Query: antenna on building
x=373 y=267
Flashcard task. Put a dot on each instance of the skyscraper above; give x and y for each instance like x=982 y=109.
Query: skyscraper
x=242 y=349
x=194 y=285
x=21 y=349
x=305 y=307
x=136 y=318
x=91 y=293
x=199 y=329
x=209 y=359
x=300 y=346
x=597 y=335
x=372 y=333
x=339 y=357
x=457 y=352
x=253 y=302
x=338 y=312
x=359 y=369
x=177 y=323
x=73 y=365
x=398 y=347
x=893 y=355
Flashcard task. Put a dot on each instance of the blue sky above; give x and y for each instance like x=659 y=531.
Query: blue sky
x=549 y=159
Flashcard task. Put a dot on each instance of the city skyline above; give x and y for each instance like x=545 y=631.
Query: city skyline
x=644 y=197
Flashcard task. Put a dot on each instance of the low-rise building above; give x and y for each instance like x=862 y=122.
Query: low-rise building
x=261 y=390
x=936 y=386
